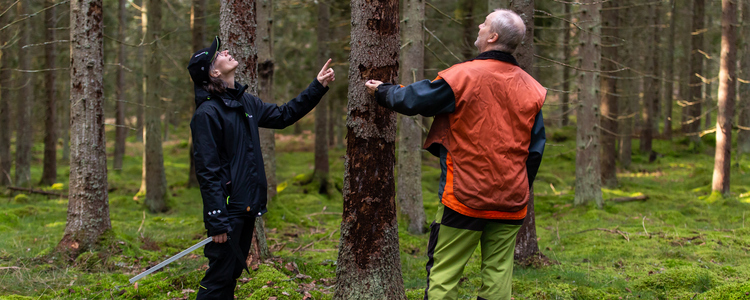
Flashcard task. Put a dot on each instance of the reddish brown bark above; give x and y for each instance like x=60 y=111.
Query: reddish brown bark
x=727 y=83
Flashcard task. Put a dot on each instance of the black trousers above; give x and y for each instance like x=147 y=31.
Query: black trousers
x=224 y=266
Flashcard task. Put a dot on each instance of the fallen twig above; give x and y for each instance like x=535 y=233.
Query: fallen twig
x=643 y=222
x=20 y=189
x=11 y=268
x=628 y=199
x=311 y=243
x=624 y=234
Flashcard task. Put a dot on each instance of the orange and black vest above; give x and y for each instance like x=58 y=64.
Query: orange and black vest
x=487 y=138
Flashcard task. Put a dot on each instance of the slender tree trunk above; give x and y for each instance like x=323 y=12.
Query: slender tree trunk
x=369 y=263
x=669 y=68
x=727 y=83
x=409 y=192
x=88 y=208
x=743 y=135
x=120 y=131
x=5 y=81
x=692 y=124
x=651 y=84
x=588 y=171
x=320 y=174
x=628 y=103
x=156 y=181
x=198 y=24
x=238 y=30
x=142 y=89
x=468 y=28
x=564 y=109
x=24 y=127
x=609 y=92
x=49 y=172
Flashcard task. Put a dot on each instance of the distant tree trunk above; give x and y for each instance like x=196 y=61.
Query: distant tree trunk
x=727 y=82
x=5 y=80
x=669 y=68
x=566 y=71
x=628 y=103
x=198 y=22
x=238 y=30
x=320 y=173
x=264 y=14
x=468 y=28
x=609 y=93
x=409 y=193
x=694 y=99
x=743 y=135
x=156 y=180
x=588 y=171
x=49 y=172
x=24 y=127
x=369 y=263
x=332 y=115
x=141 y=91
x=708 y=69
x=651 y=84
x=88 y=208
x=120 y=131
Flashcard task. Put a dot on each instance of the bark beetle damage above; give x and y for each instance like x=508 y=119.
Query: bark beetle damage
x=376 y=115
x=371 y=194
x=384 y=21
x=95 y=12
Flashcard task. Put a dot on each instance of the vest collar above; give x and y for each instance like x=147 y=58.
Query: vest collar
x=497 y=55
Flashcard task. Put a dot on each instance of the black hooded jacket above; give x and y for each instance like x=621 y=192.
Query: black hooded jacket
x=228 y=159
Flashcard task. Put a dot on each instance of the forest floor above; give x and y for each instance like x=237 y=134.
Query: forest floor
x=681 y=243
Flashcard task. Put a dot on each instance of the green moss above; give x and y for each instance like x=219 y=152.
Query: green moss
x=734 y=291
x=686 y=279
x=9 y=219
x=21 y=199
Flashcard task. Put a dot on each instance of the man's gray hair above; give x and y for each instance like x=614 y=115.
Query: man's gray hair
x=509 y=28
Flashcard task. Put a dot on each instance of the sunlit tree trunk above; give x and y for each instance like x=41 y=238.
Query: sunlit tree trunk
x=669 y=69
x=88 y=207
x=120 y=131
x=609 y=93
x=24 y=128
x=238 y=34
x=565 y=70
x=156 y=181
x=694 y=99
x=409 y=192
x=727 y=83
x=588 y=171
x=5 y=80
x=369 y=263
x=320 y=174
x=743 y=136
x=198 y=24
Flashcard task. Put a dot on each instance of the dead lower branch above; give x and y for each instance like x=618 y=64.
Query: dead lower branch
x=33 y=191
x=628 y=199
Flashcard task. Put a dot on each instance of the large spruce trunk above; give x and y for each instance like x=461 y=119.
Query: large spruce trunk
x=88 y=207
x=727 y=84
x=156 y=180
x=49 y=171
x=409 y=193
x=238 y=27
x=320 y=174
x=588 y=178
x=369 y=263
x=24 y=102
x=609 y=93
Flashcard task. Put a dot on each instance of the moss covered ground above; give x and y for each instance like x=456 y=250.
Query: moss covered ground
x=682 y=243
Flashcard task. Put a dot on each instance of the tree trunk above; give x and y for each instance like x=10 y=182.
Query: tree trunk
x=24 y=127
x=409 y=193
x=156 y=181
x=320 y=174
x=198 y=24
x=238 y=30
x=141 y=91
x=588 y=178
x=628 y=103
x=651 y=84
x=694 y=99
x=669 y=68
x=5 y=80
x=120 y=131
x=609 y=92
x=369 y=263
x=49 y=172
x=566 y=71
x=88 y=208
x=468 y=28
x=727 y=83
x=743 y=135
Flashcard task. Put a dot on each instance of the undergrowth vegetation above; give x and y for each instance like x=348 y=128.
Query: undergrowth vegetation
x=682 y=243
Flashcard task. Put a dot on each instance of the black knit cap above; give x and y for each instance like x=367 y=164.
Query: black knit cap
x=201 y=61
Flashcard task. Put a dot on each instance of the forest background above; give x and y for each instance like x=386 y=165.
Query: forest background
x=638 y=196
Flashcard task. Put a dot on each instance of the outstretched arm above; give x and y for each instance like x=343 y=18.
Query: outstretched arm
x=427 y=98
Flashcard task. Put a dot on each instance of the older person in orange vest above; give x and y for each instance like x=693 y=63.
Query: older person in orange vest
x=489 y=135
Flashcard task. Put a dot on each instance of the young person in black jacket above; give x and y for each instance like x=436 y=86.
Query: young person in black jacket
x=228 y=159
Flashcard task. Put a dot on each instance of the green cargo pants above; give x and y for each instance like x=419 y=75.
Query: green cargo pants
x=453 y=238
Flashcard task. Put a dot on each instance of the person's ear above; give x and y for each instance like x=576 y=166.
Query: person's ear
x=215 y=73
x=493 y=38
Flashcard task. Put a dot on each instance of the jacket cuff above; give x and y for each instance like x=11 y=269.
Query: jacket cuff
x=318 y=85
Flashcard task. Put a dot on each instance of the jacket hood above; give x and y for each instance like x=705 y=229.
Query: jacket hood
x=201 y=95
